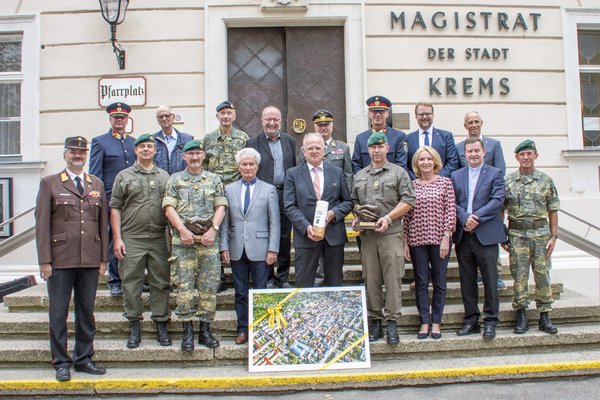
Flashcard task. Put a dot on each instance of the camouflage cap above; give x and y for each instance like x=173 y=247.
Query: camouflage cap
x=378 y=137
x=525 y=145
x=146 y=137
x=193 y=145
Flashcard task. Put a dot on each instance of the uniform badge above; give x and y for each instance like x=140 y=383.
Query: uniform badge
x=94 y=193
x=299 y=125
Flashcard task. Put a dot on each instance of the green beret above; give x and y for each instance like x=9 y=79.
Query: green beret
x=194 y=144
x=146 y=137
x=378 y=137
x=525 y=145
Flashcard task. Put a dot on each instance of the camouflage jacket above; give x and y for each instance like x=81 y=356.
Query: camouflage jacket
x=220 y=153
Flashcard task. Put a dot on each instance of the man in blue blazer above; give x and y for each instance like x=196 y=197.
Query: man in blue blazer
x=442 y=141
x=249 y=234
x=479 y=190
x=111 y=153
x=378 y=114
x=169 y=142
x=494 y=155
x=277 y=154
x=304 y=186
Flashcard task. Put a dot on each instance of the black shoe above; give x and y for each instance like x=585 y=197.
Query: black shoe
x=162 y=334
x=63 y=374
x=392 y=333
x=522 y=325
x=222 y=287
x=205 y=337
x=469 y=329
x=375 y=332
x=546 y=325
x=145 y=287
x=489 y=332
x=135 y=336
x=115 y=291
x=90 y=368
x=422 y=335
x=187 y=343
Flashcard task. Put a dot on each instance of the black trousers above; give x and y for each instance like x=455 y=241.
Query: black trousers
x=82 y=282
x=285 y=244
x=426 y=262
x=307 y=260
x=471 y=255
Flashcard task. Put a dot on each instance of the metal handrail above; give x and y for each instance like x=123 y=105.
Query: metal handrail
x=16 y=217
x=580 y=242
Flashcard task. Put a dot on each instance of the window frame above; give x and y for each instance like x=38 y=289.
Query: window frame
x=29 y=76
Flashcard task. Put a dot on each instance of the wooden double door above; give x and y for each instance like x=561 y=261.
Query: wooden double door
x=296 y=69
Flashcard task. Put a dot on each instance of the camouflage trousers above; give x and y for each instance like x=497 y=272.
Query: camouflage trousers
x=197 y=267
x=523 y=253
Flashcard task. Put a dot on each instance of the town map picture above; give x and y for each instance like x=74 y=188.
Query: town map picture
x=308 y=329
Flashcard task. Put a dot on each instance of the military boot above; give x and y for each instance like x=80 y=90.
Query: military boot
x=546 y=325
x=134 y=334
x=205 y=337
x=187 y=343
x=392 y=333
x=162 y=334
x=375 y=332
x=522 y=325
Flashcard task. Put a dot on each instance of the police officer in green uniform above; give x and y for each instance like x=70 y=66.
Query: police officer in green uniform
x=195 y=192
x=138 y=224
x=221 y=146
x=387 y=186
x=532 y=205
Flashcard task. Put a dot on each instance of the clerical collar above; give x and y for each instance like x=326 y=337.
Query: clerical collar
x=476 y=169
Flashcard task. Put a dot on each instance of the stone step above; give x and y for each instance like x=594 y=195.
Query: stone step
x=24 y=352
x=572 y=308
x=36 y=298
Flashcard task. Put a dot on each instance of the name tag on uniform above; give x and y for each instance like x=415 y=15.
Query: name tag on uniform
x=65 y=194
x=152 y=183
x=376 y=184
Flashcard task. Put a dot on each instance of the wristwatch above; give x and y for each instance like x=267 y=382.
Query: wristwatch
x=555 y=236
x=215 y=227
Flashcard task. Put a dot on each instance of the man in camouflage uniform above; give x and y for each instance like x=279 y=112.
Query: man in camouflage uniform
x=138 y=226
x=532 y=205
x=387 y=186
x=190 y=193
x=221 y=146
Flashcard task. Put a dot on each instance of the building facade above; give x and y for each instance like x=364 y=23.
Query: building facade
x=531 y=71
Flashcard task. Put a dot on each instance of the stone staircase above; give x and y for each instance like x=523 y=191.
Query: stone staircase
x=24 y=327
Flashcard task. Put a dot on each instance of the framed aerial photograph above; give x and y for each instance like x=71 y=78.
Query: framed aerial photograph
x=308 y=329
x=5 y=206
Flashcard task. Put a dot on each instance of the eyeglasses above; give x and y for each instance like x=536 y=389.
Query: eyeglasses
x=271 y=119
x=194 y=153
x=424 y=114
x=164 y=116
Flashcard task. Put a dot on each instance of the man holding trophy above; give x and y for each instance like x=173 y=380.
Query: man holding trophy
x=316 y=200
x=383 y=193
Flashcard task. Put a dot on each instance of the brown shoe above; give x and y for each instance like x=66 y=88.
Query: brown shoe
x=241 y=338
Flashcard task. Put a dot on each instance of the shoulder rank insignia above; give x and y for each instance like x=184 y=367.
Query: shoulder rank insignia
x=88 y=179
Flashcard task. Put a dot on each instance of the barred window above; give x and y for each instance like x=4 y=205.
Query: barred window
x=589 y=78
x=11 y=77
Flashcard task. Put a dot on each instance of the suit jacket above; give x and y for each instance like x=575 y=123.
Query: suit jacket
x=487 y=203
x=267 y=165
x=109 y=156
x=396 y=155
x=71 y=229
x=258 y=231
x=173 y=162
x=337 y=153
x=443 y=143
x=493 y=153
x=300 y=203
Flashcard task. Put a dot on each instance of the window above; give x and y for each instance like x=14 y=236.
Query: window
x=589 y=78
x=10 y=94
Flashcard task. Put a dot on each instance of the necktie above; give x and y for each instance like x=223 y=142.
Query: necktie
x=317 y=183
x=79 y=185
x=247 y=196
x=426 y=138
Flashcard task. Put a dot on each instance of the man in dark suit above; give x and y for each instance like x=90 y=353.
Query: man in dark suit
x=494 y=156
x=111 y=153
x=304 y=186
x=277 y=154
x=72 y=242
x=378 y=113
x=249 y=234
x=442 y=141
x=479 y=190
